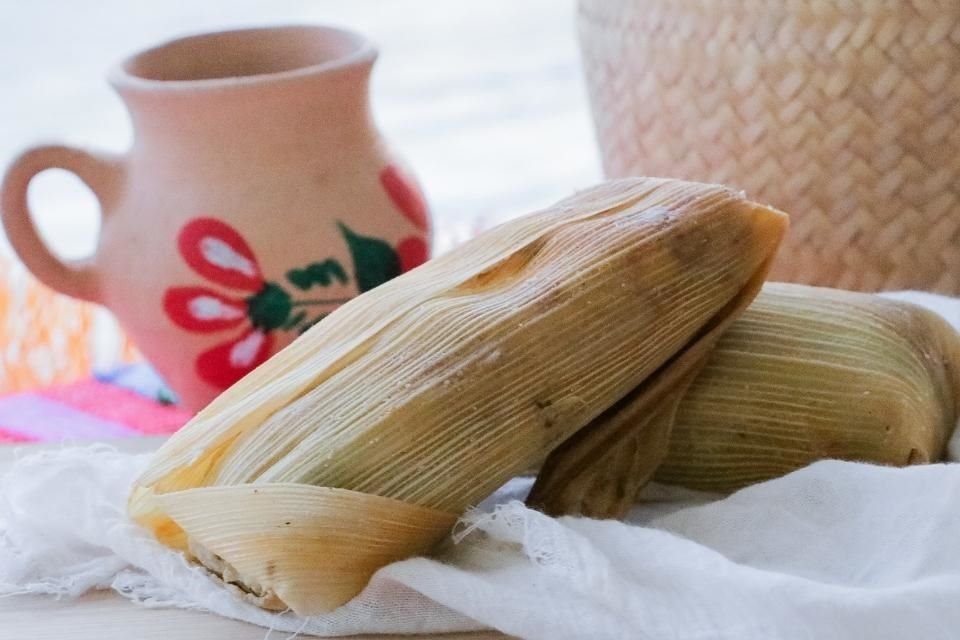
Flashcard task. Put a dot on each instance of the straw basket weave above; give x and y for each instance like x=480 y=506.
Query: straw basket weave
x=845 y=113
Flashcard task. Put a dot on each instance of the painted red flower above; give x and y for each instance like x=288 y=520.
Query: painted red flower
x=217 y=252
x=258 y=308
x=405 y=195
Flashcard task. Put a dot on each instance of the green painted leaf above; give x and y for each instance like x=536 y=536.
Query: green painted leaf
x=269 y=308
x=299 y=278
x=295 y=320
x=317 y=273
x=337 y=271
x=374 y=261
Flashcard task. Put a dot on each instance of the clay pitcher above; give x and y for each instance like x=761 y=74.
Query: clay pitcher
x=258 y=196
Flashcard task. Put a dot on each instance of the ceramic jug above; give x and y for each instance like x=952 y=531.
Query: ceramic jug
x=257 y=196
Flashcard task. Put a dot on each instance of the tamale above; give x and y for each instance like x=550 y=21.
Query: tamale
x=804 y=374
x=810 y=373
x=363 y=441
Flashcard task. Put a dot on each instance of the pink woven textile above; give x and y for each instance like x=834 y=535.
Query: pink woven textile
x=88 y=410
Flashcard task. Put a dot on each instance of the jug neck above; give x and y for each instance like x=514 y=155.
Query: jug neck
x=327 y=106
x=252 y=87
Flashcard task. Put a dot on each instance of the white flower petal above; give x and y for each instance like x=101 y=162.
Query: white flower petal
x=211 y=308
x=244 y=352
x=219 y=253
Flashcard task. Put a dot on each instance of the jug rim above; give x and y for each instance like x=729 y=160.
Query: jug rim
x=357 y=50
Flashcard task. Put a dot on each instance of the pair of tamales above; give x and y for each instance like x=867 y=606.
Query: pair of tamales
x=614 y=338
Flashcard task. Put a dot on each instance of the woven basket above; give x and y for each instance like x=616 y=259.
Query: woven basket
x=844 y=113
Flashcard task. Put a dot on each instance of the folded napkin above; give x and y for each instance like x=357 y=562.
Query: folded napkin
x=835 y=550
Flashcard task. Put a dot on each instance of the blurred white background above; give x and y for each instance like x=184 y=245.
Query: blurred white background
x=485 y=99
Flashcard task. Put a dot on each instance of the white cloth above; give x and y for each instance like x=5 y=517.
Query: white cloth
x=835 y=550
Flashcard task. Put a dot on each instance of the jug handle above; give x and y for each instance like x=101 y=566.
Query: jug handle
x=101 y=174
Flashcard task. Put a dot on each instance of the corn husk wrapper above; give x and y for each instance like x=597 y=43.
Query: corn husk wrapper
x=810 y=373
x=804 y=374
x=363 y=441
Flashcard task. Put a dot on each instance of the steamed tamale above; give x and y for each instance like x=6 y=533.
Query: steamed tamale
x=365 y=439
x=804 y=374
x=810 y=373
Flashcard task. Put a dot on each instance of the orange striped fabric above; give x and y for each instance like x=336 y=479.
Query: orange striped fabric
x=47 y=338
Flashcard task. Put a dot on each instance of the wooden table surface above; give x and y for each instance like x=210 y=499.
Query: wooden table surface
x=107 y=616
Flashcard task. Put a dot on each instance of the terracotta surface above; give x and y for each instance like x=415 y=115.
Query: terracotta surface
x=258 y=195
